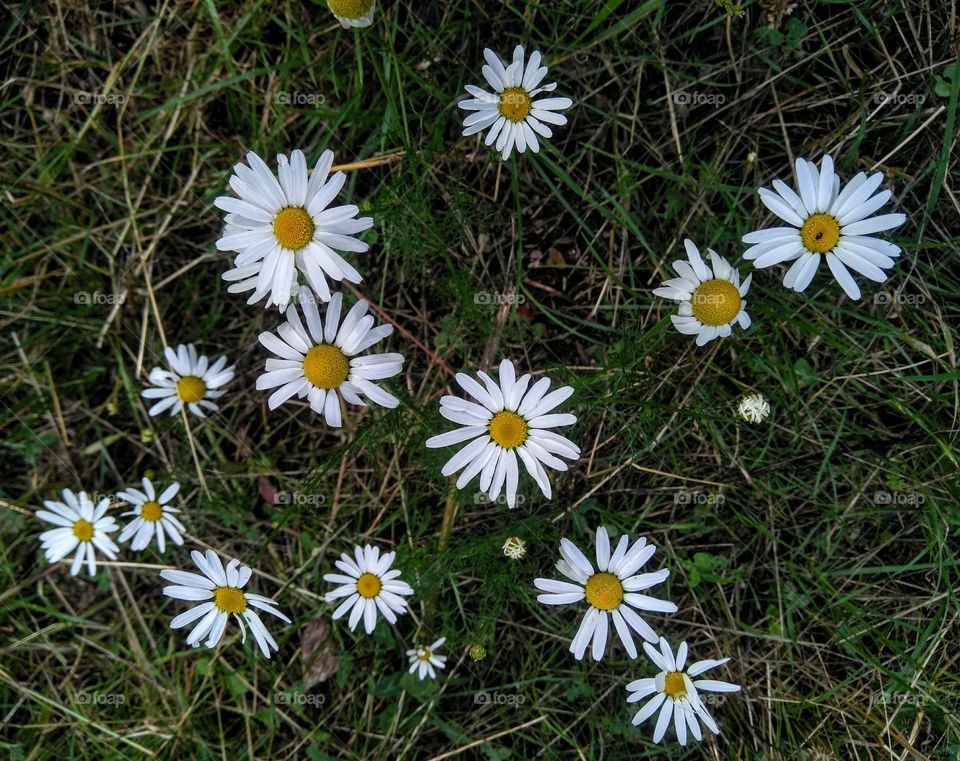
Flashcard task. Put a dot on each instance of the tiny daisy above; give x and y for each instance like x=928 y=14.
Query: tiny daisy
x=826 y=221
x=318 y=362
x=610 y=589
x=220 y=594
x=514 y=548
x=710 y=302
x=754 y=408
x=153 y=515
x=353 y=13
x=511 y=113
x=192 y=381
x=674 y=689
x=280 y=228
x=508 y=422
x=424 y=660
x=369 y=585
x=81 y=526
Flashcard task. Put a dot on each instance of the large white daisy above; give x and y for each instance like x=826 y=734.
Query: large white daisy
x=711 y=302
x=612 y=589
x=318 y=362
x=353 y=13
x=826 y=221
x=424 y=660
x=511 y=113
x=280 y=228
x=675 y=693
x=368 y=586
x=220 y=594
x=509 y=421
x=191 y=381
x=152 y=515
x=81 y=527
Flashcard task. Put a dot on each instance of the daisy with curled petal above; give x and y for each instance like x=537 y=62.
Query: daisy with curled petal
x=81 y=527
x=711 y=301
x=153 y=515
x=220 y=594
x=506 y=421
x=675 y=693
x=191 y=381
x=825 y=220
x=424 y=660
x=511 y=113
x=612 y=589
x=319 y=361
x=280 y=228
x=353 y=13
x=369 y=585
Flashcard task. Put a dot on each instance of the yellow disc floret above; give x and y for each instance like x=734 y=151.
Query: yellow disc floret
x=230 y=599
x=716 y=302
x=326 y=366
x=151 y=511
x=604 y=591
x=83 y=530
x=515 y=104
x=351 y=9
x=674 y=686
x=293 y=228
x=508 y=429
x=820 y=233
x=191 y=389
x=368 y=585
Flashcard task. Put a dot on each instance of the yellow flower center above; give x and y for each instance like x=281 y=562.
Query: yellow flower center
x=191 y=389
x=604 y=591
x=368 y=585
x=293 y=228
x=515 y=104
x=508 y=429
x=715 y=302
x=673 y=685
x=83 y=530
x=229 y=599
x=326 y=366
x=820 y=233
x=351 y=9
x=151 y=511
x=424 y=654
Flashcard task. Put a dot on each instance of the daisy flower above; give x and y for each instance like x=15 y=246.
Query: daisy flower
x=754 y=408
x=424 y=660
x=191 y=381
x=319 y=362
x=508 y=422
x=710 y=301
x=514 y=548
x=220 y=594
x=280 y=228
x=81 y=527
x=676 y=693
x=369 y=586
x=353 y=13
x=613 y=588
x=825 y=220
x=511 y=113
x=153 y=516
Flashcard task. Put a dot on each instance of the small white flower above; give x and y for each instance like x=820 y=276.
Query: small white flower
x=424 y=660
x=510 y=421
x=612 y=589
x=754 y=408
x=191 y=381
x=514 y=548
x=826 y=221
x=220 y=594
x=710 y=301
x=511 y=113
x=353 y=13
x=153 y=516
x=81 y=526
x=369 y=586
x=280 y=228
x=676 y=694
x=320 y=363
